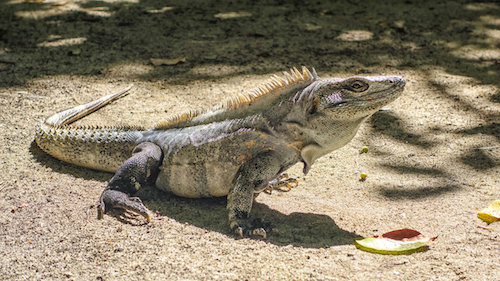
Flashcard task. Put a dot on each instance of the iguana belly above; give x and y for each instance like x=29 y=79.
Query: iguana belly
x=196 y=180
x=197 y=169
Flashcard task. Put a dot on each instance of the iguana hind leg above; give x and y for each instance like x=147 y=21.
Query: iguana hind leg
x=132 y=174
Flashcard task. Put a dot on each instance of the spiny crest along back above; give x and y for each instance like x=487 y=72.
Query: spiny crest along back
x=272 y=86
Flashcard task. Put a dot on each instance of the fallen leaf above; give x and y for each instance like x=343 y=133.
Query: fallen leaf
x=157 y=62
x=397 y=242
x=232 y=15
x=63 y=42
x=160 y=10
x=356 y=35
x=490 y=214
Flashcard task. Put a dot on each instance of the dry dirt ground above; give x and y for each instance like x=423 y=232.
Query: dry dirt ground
x=424 y=168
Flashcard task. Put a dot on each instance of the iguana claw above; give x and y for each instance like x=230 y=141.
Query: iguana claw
x=282 y=181
x=253 y=232
x=247 y=227
x=239 y=231
x=116 y=199
x=259 y=232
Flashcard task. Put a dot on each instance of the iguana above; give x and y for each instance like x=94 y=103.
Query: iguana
x=234 y=149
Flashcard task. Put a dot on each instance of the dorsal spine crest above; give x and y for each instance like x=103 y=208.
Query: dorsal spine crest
x=275 y=83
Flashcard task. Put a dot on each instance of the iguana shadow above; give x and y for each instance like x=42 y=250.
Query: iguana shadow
x=297 y=229
x=60 y=166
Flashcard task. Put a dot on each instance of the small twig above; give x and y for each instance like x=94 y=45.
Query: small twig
x=484 y=227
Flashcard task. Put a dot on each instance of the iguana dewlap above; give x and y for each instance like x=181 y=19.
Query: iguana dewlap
x=234 y=149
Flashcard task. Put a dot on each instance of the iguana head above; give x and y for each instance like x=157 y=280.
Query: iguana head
x=333 y=110
x=353 y=98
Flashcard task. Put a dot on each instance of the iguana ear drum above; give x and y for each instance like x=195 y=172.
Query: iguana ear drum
x=314 y=106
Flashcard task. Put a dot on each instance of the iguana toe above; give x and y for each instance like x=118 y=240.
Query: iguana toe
x=116 y=199
x=259 y=232
x=252 y=232
x=246 y=227
x=283 y=181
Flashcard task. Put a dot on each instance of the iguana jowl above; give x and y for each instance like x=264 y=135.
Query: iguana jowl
x=234 y=149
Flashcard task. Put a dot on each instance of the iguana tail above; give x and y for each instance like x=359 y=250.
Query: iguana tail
x=102 y=148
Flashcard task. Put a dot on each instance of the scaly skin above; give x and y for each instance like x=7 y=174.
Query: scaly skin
x=233 y=150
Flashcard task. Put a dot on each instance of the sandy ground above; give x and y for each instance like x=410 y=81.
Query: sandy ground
x=424 y=168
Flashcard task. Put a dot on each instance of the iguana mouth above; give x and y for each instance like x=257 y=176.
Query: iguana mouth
x=378 y=95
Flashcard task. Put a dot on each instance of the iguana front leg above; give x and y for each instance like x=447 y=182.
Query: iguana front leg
x=132 y=174
x=255 y=174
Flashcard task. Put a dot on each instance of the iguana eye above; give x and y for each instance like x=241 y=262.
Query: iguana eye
x=357 y=86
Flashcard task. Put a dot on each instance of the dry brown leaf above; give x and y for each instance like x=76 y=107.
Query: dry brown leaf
x=157 y=62
x=160 y=10
x=232 y=15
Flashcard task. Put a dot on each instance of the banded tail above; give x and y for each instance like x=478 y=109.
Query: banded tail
x=102 y=148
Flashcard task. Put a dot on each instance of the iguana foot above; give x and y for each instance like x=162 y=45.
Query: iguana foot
x=116 y=199
x=247 y=227
x=135 y=172
x=282 y=181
